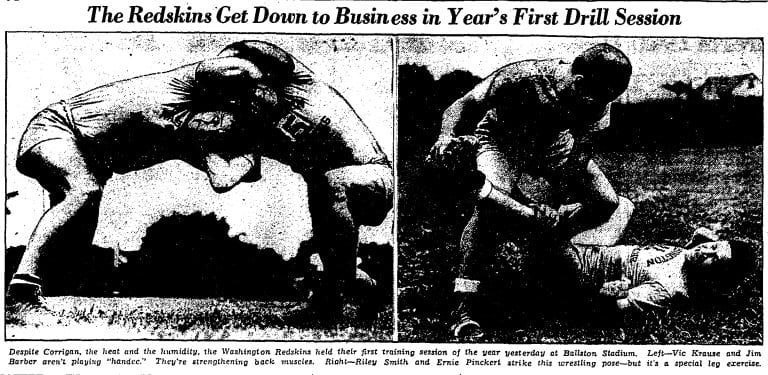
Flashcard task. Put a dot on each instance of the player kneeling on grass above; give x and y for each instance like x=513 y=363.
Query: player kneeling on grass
x=198 y=113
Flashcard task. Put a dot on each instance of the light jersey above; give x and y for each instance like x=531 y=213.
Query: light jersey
x=131 y=124
x=652 y=274
x=323 y=133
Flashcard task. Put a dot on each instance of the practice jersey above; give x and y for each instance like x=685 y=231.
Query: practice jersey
x=131 y=124
x=528 y=118
x=322 y=132
x=647 y=276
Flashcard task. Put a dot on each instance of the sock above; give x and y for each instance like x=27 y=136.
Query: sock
x=461 y=285
x=26 y=279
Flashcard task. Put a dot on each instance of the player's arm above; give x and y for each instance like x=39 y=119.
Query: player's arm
x=544 y=217
x=225 y=172
x=466 y=111
x=460 y=162
x=644 y=298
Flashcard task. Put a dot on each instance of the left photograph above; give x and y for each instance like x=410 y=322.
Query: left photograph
x=199 y=187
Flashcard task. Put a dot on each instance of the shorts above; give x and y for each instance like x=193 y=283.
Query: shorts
x=54 y=122
x=369 y=191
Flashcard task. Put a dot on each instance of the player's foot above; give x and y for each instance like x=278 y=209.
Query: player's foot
x=465 y=328
x=700 y=236
x=364 y=284
x=369 y=298
x=24 y=289
x=325 y=306
x=25 y=306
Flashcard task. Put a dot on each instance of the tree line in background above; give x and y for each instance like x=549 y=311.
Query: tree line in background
x=706 y=115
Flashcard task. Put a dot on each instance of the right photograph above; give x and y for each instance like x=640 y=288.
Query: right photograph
x=580 y=190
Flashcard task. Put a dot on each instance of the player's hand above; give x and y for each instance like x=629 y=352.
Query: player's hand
x=616 y=289
x=456 y=154
x=545 y=217
x=569 y=211
x=569 y=215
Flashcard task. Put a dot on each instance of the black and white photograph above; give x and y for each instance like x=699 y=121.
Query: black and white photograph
x=193 y=186
x=572 y=190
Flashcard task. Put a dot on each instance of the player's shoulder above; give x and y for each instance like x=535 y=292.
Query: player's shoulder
x=521 y=74
x=524 y=69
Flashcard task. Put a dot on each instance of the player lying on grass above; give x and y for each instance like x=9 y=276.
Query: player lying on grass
x=524 y=120
x=349 y=178
x=635 y=278
x=630 y=278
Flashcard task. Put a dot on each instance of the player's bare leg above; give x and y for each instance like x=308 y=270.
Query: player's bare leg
x=75 y=196
x=340 y=201
x=478 y=239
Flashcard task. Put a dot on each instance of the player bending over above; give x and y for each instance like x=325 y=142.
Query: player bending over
x=349 y=178
x=72 y=147
x=526 y=117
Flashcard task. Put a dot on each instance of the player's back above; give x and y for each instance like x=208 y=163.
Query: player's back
x=130 y=124
x=322 y=133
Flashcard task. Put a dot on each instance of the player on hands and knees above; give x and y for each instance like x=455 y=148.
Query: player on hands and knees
x=525 y=118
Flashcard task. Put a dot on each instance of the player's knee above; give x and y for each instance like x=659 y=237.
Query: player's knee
x=336 y=184
x=606 y=207
x=84 y=193
x=28 y=164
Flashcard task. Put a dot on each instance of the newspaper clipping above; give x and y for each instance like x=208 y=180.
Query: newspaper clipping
x=336 y=187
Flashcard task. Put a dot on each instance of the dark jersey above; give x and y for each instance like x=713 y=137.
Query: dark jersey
x=528 y=117
x=322 y=132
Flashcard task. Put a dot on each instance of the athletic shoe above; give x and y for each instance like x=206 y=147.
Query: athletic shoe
x=27 y=308
x=465 y=328
x=700 y=236
x=23 y=293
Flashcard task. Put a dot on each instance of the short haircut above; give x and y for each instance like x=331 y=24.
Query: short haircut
x=722 y=276
x=278 y=67
x=604 y=65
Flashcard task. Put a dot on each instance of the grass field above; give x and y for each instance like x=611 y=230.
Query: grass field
x=674 y=192
x=106 y=318
x=258 y=296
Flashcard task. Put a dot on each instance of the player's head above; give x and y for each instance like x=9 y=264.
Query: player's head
x=718 y=265
x=278 y=67
x=599 y=75
x=276 y=64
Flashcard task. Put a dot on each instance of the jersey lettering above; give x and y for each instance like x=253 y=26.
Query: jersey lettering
x=295 y=127
x=666 y=257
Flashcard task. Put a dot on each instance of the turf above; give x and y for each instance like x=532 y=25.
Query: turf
x=105 y=318
x=674 y=192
